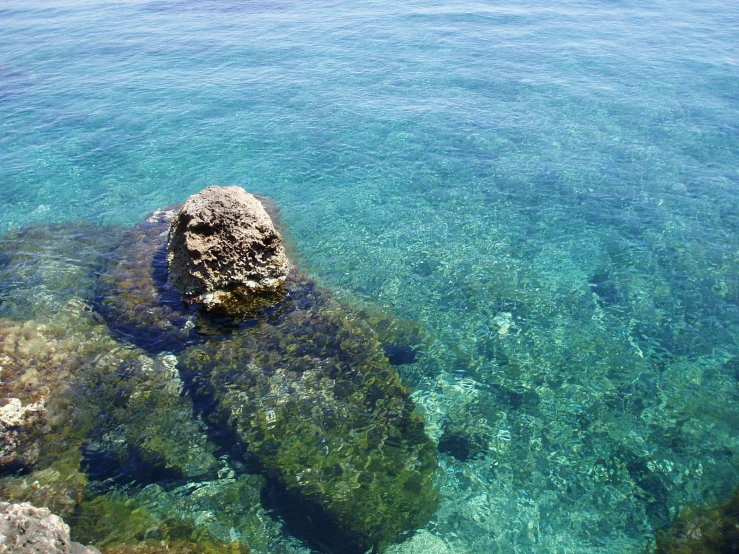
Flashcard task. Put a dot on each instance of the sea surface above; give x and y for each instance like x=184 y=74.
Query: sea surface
x=550 y=188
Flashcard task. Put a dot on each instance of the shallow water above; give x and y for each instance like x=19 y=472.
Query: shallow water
x=552 y=190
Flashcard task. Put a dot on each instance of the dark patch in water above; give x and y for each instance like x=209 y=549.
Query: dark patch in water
x=461 y=446
x=655 y=493
x=514 y=400
x=425 y=268
x=400 y=355
x=308 y=522
x=731 y=366
x=516 y=308
x=602 y=285
x=106 y=471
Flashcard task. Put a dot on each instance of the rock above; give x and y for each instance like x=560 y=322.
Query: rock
x=28 y=530
x=703 y=529
x=38 y=361
x=309 y=392
x=19 y=434
x=224 y=252
x=66 y=381
x=133 y=293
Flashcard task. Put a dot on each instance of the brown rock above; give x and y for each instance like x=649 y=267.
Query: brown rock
x=224 y=251
x=28 y=530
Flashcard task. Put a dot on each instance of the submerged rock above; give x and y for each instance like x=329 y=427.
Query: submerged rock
x=224 y=252
x=28 y=530
x=310 y=393
x=39 y=359
x=133 y=293
x=205 y=517
x=707 y=529
x=44 y=266
x=66 y=382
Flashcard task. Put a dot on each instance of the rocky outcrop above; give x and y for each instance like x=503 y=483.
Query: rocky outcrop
x=28 y=530
x=224 y=252
x=19 y=434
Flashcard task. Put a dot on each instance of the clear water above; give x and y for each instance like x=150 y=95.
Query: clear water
x=552 y=189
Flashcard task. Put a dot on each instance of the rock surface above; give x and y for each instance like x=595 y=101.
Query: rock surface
x=309 y=392
x=28 y=530
x=223 y=250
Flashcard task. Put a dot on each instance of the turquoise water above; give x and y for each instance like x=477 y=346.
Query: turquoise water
x=552 y=189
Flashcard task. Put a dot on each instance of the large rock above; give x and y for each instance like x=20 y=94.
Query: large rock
x=309 y=392
x=224 y=251
x=28 y=530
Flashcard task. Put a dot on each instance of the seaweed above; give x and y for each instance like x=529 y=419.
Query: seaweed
x=707 y=529
x=309 y=391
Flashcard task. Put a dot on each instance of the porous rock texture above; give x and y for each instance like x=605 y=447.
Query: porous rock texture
x=28 y=530
x=224 y=252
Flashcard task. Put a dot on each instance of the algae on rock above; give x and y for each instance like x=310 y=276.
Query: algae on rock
x=309 y=392
x=86 y=389
x=133 y=293
x=207 y=517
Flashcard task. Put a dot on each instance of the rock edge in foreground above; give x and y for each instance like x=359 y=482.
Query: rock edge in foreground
x=25 y=529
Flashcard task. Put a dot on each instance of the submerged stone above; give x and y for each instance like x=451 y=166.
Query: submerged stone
x=708 y=529
x=67 y=383
x=224 y=252
x=133 y=293
x=203 y=517
x=44 y=266
x=39 y=359
x=310 y=393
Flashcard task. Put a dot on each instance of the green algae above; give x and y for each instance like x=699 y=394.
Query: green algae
x=311 y=394
x=204 y=517
x=707 y=529
x=141 y=418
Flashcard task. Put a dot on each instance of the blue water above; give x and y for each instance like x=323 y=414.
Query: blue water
x=552 y=189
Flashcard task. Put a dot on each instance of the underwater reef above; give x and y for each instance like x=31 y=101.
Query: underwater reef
x=151 y=425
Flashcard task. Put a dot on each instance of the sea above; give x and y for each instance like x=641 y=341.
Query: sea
x=548 y=191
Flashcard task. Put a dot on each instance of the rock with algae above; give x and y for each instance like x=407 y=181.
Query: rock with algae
x=25 y=529
x=224 y=252
x=136 y=291
x=205 y=517
x=133 y=293
x=703 y=530
x=66 y=381
x=39 y=358
x=309 y=391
